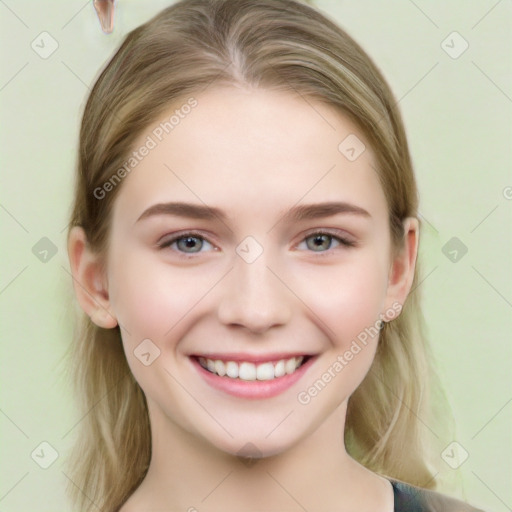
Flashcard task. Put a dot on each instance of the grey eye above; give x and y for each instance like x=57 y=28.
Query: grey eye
x=189 y=243
x=319 y=242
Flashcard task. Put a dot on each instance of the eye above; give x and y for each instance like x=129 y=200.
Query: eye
x=192 y=243
x=187 y=243
x=323 y=241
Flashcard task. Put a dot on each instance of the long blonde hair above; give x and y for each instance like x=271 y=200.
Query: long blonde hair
x=272 y=44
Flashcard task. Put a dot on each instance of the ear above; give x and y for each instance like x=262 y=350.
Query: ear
x=89 y=280
x=401 y=273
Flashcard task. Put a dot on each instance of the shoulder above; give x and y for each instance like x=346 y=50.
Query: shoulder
x=409 y=498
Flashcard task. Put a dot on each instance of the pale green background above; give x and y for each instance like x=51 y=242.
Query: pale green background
x=458 y=117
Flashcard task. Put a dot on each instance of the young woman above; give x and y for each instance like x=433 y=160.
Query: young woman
x=243 y=243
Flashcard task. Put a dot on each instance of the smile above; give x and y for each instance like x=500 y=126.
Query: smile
x=245 y=370
x=251 y=376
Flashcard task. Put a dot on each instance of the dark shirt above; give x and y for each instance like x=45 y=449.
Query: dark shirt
x=409 y=498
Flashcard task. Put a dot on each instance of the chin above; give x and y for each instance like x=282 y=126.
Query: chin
x=253 y=447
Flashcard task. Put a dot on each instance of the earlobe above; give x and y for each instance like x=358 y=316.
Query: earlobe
x=401 y=274
x=88 y=280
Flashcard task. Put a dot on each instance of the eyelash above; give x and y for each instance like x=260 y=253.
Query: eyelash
x=344 y=241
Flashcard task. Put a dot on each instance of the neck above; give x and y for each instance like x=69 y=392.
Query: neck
x=188 y=473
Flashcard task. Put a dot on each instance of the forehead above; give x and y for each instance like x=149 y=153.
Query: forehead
x=250 y=149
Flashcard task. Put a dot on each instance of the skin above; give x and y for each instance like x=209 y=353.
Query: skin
x=255 y=154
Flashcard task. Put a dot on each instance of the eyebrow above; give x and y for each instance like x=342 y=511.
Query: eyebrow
x=297 y=213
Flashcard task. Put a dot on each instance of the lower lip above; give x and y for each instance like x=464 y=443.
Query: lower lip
x=254 y=389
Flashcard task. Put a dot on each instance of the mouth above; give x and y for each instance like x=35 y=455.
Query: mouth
x=250 y=377
x=249 y=371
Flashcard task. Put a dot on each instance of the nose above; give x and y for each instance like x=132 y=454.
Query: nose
x=254 y=297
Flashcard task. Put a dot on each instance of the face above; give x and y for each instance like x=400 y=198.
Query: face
x=281 y=266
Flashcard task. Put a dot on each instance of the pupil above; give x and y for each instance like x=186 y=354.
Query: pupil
x=190 y=242
x=321 y=241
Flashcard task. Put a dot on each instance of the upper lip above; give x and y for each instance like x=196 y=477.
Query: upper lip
x=251 y=358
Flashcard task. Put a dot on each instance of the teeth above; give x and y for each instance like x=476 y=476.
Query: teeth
x=250 y=371
x=231 y=369
x=290 y=366
x=220 y=368
x=279 y=369
x=247 y=371
x=265 y=371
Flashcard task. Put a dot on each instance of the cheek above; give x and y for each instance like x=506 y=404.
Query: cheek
x=347 y=298
x=155 y=302
x=346 y=301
